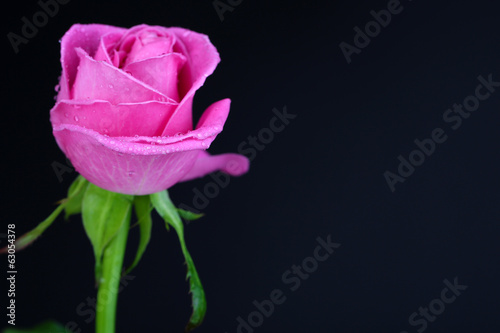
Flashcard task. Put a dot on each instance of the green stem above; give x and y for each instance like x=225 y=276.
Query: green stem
x=112 y=265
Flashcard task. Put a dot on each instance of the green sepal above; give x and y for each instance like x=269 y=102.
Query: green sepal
x=75 y=197
x=103 y=214
x=143 y=208
x=164 y=206
x=45 y=327
x=189 y=216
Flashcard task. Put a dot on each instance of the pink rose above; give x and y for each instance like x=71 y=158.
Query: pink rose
x=124 y=110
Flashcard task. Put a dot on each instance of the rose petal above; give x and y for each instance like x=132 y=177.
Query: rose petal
x=86 y=37
x=216 y=114
x=149 y=43
x=141 y=119
x=232 y=164
x=98 y=80
x=201 y=60
x=159 y=72
x=129 y=167
x=132 y=145
x=106 y=45
x=117 y=171
x=129 y=37
x=213 y=123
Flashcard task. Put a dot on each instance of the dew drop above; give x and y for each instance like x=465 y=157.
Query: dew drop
x=131 y=173
x=76 y=118
x=110 y=86
x=57 y=88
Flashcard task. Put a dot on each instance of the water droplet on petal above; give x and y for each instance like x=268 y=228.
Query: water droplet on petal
x=131 y=173
x=76 y=118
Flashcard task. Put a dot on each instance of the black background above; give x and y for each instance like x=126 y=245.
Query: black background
x=322 y=175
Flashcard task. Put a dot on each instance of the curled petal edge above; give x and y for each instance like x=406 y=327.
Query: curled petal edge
x=232 y=164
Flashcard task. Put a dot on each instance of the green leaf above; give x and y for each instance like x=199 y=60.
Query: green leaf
x=75 y=196
x=187 y=215
x=45 y=327
x=33 y=235
x=75 y=189
x=143 y=209
x=103 y=213
x=164 y=206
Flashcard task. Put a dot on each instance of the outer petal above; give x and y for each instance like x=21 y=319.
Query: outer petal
x=87 y=37
x=145 y=119
x=102 y=81
x=232 y=164
x=128 y=173
x=201 y=60
x=138 y=167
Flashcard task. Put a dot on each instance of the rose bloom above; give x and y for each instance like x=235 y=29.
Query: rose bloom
x=124 y=109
